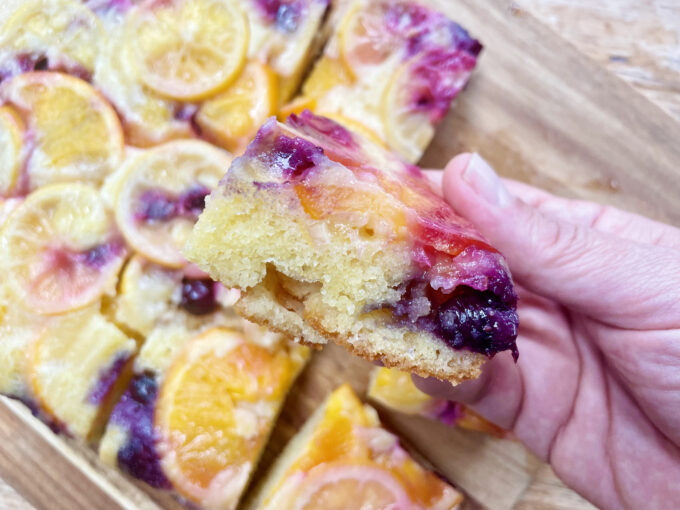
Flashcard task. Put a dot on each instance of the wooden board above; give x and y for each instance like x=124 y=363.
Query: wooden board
x=539 y=111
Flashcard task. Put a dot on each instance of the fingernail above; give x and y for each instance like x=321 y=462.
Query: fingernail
x=482 y=178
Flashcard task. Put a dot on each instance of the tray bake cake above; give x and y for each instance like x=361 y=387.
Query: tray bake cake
x=118 y=118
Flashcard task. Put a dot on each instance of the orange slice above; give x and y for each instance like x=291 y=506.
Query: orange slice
x=59 y=249
x=162 y=194
x=189 y=49
x=77 y=134
x=347 y=486
x=232 y=118
x=395 y=389
x=214 y=412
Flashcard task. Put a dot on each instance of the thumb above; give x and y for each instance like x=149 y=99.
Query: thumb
x=599 y=274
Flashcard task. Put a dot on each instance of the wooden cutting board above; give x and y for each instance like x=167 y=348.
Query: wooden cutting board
x=538 y=110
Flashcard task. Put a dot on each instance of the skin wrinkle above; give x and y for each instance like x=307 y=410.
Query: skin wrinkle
x=579 y=385
x=613 y=469
x=522 y=399
x=617 y=358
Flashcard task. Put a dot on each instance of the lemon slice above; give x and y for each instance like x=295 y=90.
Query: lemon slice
x=56 y=28
x=341 y=487
x=214 y=412
x=11 y=142
x=363 y=38
x=148 y=118
x=233 y=117
x=59 y=249
x=77 y=134
x=163 y=193
x=74 y=367
x=408 y=130
x=189 y=49
x=145 y=294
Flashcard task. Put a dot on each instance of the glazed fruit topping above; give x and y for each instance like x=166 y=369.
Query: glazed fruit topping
x=478 y=321
x=107 y=380
x=291 y=156
x=285 y=13
x=160 y=206
x=199 y=296
x=425 y=29
x=68 y=262
x=437 y=78
x=323 y=128
x=135 y=413
x=100 y=255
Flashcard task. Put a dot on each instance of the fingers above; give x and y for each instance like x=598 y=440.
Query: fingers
x=587 y=214
x=602 y=218
x=620 y=282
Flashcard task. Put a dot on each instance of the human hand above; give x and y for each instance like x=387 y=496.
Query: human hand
x=596 y=390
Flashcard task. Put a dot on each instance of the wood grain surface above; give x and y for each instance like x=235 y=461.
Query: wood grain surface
x=544 y=108
x=638 y=40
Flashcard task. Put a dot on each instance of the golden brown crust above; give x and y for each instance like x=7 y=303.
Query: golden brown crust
x=454 y=376
x=452 y=372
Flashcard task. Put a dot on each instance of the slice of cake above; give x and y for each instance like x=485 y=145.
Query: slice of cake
x=391 y=69
x=199 y=410
x=395 y=390
x=343 y=458
x=61 y=253
x=331 y=238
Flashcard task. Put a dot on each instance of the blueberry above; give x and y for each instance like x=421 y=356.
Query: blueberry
x=156 y=205
x=288 y=17
x=192 y=202
x=144 y=389
x=138 y=457
x=294 y=156
x=199 y=296
x=467 y=319
x=479 y=322
x=100 y=255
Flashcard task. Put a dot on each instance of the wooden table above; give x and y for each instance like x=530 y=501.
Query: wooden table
x=579 y=97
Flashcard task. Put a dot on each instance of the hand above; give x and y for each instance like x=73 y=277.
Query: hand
x=596 y=391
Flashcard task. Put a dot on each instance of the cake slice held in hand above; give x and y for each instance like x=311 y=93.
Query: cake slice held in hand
x=332 y=238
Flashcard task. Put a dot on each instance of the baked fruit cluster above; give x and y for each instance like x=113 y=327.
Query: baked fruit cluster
x=118 y=119
x=198 y=411
x=342 y=458
x=332 y=238
x=390 y=72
